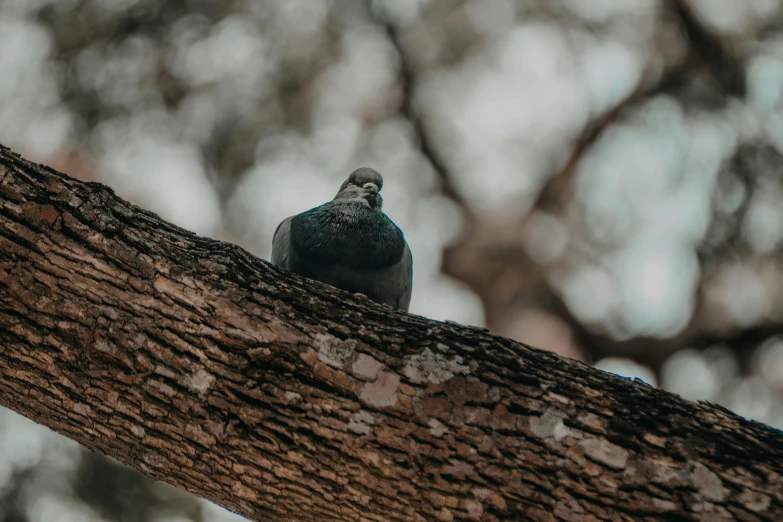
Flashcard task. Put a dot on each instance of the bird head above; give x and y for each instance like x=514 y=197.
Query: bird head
x=363 y=185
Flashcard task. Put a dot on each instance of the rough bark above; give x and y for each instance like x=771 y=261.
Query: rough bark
x=284 y=399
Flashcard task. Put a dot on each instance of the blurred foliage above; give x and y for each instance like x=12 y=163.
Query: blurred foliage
x=601 y=179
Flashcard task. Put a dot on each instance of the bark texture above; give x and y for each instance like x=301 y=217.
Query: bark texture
x=284 y=399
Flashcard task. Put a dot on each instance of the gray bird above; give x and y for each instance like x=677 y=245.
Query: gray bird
x=349 y=243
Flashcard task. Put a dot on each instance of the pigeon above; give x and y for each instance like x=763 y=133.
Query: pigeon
x=349 y=243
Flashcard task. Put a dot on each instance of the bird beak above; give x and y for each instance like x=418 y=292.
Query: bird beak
x=372 y=196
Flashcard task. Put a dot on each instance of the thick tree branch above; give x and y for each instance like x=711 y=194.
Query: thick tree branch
x=285 y=399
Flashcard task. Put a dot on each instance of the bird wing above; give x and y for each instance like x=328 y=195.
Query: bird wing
x=406 y=279
x=281 y=244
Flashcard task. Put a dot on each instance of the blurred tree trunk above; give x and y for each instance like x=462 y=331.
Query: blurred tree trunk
x=284 y=399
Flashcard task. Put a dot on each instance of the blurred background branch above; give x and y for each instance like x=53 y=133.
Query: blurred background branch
x=426 y=146
x=600 y=179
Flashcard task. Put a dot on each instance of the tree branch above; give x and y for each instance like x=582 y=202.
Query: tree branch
x=284 y=399
x=707 y=49
x=489 y=256
x=426 y=147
